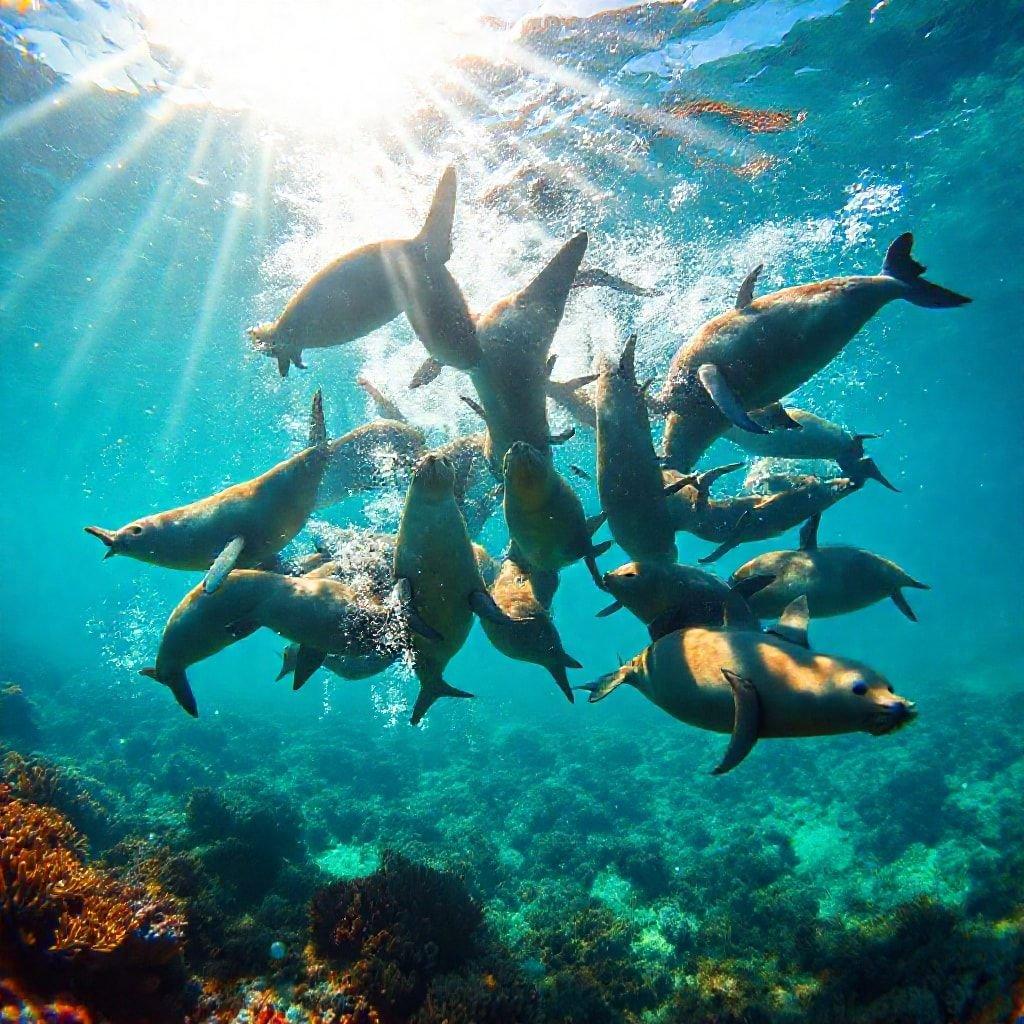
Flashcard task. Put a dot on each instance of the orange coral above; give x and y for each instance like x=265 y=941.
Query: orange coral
x=749 y=118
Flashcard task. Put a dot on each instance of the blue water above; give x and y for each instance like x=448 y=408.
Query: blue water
x=139 y=239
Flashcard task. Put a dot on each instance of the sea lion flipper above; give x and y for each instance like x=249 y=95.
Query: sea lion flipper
x=428 y=371
x=401 y=594
x=751 y=585
x=746 y=722
x=429 y=694
x=867 y=469
x=566 y=435
x=594 y=523
x=287 y=661
x=436 y=234
x=475 y=406
x=734 y=538
x=486 y=607
x=809 y=533
x=725 y=398
x=745 y=296
x=284 y=363
x=704 y=481
x=107 y=536
x=792 y=624
x=386 y=409
x=307 y=661
x=603 y=685
x=627 y=361
x=903 y=604
x=590 y=560
x=317 y=424
x=550 y=288
x=594 y=277
x=178 y=685
x=580 y=472
x=223 y=564
x=559 y=675
x=575 y=383
x=615 y=606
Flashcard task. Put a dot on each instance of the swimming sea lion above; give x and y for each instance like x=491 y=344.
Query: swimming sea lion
x=529 y=634
x=765 y=348
x=629 y=476
x=371 y=285
x=759 y=686
x=748 y=517
x=835 y=579
x=814 y=438
x=436 y=565
x=666 y=597
x=321 y=615
x=512 y=374
x=242 y=525
x=545 y=516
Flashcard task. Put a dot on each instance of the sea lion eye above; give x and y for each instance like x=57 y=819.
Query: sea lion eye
x=890 y=689
x=860 y=687
x=136 y=530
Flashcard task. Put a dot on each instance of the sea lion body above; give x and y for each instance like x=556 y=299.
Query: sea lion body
x=629 y=476
x=544 y=514
x=369 y=457
x=835 y=579
x=801 y=693
x=434 y=554
x=530 y=634
x=515 y=337
x=766 y=347
x=267 y=512
x=475 y=490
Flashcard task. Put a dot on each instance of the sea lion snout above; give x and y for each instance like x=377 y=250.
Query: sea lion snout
x=435 y=473
x=891 y=715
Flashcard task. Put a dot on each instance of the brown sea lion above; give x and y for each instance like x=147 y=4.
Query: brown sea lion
x=629 y=476
x=813 y=438
x=666 y=597
x=529 y=633
x=765 y=348
x=759 y=686
x=322 y=616
x=835 y=579
x=545 y=516
x=371 y=285
x=243 y=525
x=512 y=375
x=437 y=568
x=748 y=517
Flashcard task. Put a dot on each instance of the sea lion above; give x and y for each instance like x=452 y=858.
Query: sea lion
x=748 y=517
x=529 y=634
x=764 y=348
x=321 y=615
x=241 y=526
x=370 y=286
x=629 y=476
x=814 y=438
x=437 y=568
x=666 y=597
x=372 y=456
x=545 y=516
x=512 y=375
x=835 y=579
x=759 y=686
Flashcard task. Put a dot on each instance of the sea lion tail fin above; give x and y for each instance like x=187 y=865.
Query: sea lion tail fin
x=386 y=409
x=551 y=286
x=900 y=265
x=177 y=683
x=436 y=234
x=317 y=423
x=107 y=536
x=288 y=658
x=559 y=675
x=429 y=694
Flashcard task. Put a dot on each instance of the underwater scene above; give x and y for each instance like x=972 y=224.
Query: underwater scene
x=513 y=512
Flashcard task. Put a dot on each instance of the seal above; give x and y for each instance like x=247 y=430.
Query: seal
x=666 y=597
x=512 y=375
x=729 y=522
x=759 y=686
x=813 y=438
x=766 y=347
x=370 y=286
x=529 y=633
x=437 y=569
x=370 y=457
x=545 y=516
x=835 y=579
x=241 y=526
x=629 y=476
x=320 y=615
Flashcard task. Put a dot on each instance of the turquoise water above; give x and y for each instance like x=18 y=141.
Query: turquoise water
x=139 y=239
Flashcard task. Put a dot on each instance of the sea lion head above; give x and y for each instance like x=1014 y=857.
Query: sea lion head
x=134 y=539
x=639 y=586
x=433 y=477
x=525 y=468
x=865 y=699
